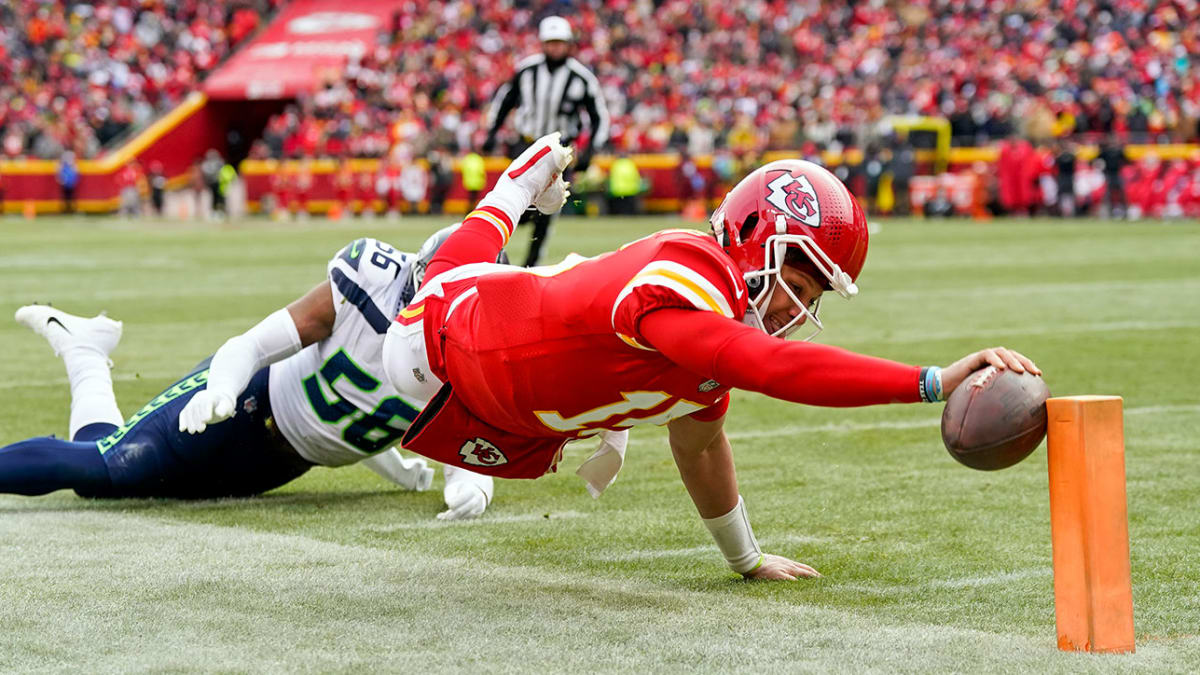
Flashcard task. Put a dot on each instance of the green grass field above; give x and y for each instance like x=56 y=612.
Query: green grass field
x=929 y=566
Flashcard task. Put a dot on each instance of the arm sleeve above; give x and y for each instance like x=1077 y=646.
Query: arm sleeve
x=739 y=356
x=273 y=339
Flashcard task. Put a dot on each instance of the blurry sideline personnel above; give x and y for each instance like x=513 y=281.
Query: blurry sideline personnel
x=550 y=92
x=68 y=180
x=474 y=177
x=158 y=186
x=441 y=177
x=1112 y=156
x=904 y=167
x=130 y=180
x=225 y=180
x=1064 y=164
x=210 y=172
x=624 y=186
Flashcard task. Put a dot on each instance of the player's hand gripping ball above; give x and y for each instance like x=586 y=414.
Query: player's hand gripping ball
x=995 y=418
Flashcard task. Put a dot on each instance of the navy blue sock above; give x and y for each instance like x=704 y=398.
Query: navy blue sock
x=41 y=465
x=94 y=431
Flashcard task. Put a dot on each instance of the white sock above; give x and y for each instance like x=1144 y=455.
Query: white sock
x=92 y=397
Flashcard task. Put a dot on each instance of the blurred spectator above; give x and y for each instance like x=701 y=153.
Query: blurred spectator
x=1112 y=161
x=130 y=183
x=68 y=179
x=78 y=75
x=624 y=187
x=1064 y=163
x=210 y=171
x=414 y=182
x=675 y=71
x=225 y=179
x=903 y=167
x=441 y=177
x=474 y=177
x=158 y=187
x=939 y=206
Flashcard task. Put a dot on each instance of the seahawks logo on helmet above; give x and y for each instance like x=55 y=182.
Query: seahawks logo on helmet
x=795 y=197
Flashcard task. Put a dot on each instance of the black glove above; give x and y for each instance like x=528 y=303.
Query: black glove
x=488 y=145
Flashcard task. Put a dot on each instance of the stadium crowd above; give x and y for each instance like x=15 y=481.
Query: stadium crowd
x=74 y=76
x=728 y=79
x=771 y=75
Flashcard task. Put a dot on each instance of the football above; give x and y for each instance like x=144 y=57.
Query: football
x=995 y=418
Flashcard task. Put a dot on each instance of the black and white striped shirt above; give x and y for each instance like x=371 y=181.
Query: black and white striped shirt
x=552 y=100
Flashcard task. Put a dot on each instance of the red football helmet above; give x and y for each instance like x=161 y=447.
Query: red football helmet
x=796 y=205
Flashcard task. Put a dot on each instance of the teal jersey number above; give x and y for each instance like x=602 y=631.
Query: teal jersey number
x=368 y=432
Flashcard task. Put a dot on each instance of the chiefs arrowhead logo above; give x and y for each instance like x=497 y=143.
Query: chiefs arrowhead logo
x=795 y=197
x=481 y=453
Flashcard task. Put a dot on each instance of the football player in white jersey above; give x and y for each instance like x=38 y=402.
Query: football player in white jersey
x=302 y=388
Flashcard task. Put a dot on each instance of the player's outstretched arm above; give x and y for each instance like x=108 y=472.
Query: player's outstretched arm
x=283 y=333
x=705 y=462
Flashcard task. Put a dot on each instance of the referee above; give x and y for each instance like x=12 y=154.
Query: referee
x=550 y=92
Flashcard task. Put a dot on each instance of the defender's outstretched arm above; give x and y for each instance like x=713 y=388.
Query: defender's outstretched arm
x=306 y=320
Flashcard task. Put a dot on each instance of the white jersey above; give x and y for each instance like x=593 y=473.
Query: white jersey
x=331 y=400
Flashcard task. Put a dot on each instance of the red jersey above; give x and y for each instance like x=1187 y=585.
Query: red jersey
x=556 y=353
x=533 y=358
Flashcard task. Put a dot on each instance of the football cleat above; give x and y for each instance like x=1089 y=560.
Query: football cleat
x=64 y=331
x=792 y=212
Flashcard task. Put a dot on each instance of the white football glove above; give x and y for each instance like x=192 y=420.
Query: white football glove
x=540 y=177
x=205 y=408
x=463 y=500
x=554 y=197
x=410 y=473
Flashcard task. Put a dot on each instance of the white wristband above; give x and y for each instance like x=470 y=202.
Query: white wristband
x=735 y=539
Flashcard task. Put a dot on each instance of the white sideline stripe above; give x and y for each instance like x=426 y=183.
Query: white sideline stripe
x=986 y=334
x=486 y=519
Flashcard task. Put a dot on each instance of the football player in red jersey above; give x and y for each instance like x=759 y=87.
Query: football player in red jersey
x=516 y=363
